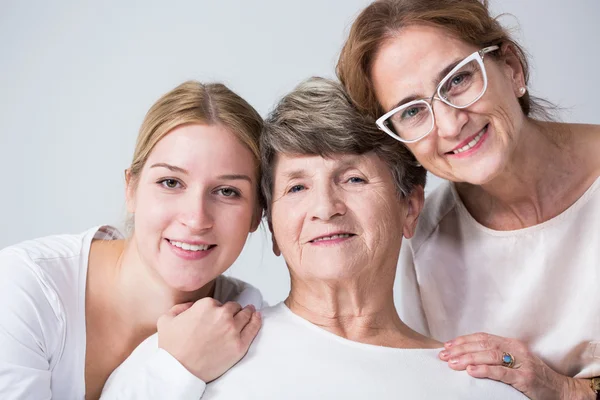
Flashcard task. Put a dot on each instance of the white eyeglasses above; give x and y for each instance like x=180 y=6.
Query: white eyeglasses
x=461 y=87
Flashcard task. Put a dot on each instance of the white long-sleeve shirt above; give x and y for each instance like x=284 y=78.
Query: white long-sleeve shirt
x=293 y=359
x=42 y=322
x=539 y=284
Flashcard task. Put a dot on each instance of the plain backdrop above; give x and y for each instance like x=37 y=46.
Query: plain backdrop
x=77 y=77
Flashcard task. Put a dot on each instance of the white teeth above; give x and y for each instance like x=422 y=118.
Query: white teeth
x=471 y=143
x=344 y=235
x=192 y=247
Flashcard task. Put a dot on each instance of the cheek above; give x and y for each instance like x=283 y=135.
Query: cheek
x=287 y=220
x=234 y=221
x=153 y=211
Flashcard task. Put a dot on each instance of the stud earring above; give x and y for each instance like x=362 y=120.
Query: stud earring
x=522 y=90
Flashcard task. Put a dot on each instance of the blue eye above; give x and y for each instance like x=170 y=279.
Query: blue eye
x=356 y=179
x=170 y=183
x=412 y=112
x=296 y=188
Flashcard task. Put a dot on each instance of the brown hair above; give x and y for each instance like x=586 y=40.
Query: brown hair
x=468 y=20
x=318 y=118
x=196 y=103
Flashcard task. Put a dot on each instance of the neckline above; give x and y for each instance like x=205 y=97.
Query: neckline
x=282 y=307
x=580 y=202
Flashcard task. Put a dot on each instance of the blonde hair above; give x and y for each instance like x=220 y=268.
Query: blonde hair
x=196 y=103
x=467 y=20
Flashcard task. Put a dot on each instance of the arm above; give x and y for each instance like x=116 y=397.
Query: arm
x=152 y=373
x=481 y=355
x=196 y=343
x=29 y=331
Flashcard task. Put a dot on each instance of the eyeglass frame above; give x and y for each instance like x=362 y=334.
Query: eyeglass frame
x=478 y=56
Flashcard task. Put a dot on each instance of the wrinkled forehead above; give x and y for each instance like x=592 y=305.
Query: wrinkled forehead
x=287 y=164
x=409 y=63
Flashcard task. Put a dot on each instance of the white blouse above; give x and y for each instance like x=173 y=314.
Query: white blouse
x=539 y=284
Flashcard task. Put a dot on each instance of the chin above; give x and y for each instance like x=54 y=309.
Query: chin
x=187 y=281
x=482 y=172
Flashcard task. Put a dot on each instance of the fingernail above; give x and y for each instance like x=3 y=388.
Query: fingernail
x=448 y=344
x=472 y=368
x=444 y=354
x=251 y=306
x=258 y=314
x=454 y=361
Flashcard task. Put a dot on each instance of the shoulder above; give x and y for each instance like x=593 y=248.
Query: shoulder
x=231 y=289
x=458 y=384
x=46 y=273
x=60 y=247
x=437 y=205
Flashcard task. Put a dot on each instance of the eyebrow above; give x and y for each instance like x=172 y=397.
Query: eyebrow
x=235 y=177
x=294 y=174
x=227 y=177
x=301 y=173
x=170 y=167
x=441 y=75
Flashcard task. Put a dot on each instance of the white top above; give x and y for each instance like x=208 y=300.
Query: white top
x=152 y=373
x=539 y=284
x=42 y=323
x=293 y=359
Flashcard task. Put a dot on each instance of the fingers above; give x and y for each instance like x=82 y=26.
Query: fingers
x=173 y=312
x=179 y=308
x=484 y=340
x=232 y=307
x=251 y=329
x=497 y=373
x=489 y=357
x=467 y=348
x=242 y=318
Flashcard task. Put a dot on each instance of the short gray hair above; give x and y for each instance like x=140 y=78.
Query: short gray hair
x=318 y=118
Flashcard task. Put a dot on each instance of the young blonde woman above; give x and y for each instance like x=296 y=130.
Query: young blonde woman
x=76 y=306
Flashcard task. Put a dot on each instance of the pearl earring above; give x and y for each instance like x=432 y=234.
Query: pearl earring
x=522 y=90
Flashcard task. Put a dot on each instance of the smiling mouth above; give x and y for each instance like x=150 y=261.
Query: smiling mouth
x=332 y=237
x=191 y=247
x=472 y=143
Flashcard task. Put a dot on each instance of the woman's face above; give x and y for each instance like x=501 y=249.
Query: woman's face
x=194 y=205
x=339 y=217
x=412 y=63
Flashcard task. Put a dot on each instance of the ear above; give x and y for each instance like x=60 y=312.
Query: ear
x=413 y=209
x=513 y=67
x=256 y=218
x=276 y=250
x=129 y=192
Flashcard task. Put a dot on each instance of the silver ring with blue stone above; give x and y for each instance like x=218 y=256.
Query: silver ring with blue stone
x=508 y=360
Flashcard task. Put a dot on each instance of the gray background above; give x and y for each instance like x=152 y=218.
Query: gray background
x=76 y=79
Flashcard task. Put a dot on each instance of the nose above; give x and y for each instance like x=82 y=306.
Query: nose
x=196 y=213
x=327 y=203
x=449 y=120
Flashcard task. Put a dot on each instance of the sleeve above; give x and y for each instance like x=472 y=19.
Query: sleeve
x=29 y=330
x=151 y=373
x=407 y=292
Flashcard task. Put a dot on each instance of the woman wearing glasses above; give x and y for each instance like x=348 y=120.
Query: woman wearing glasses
x=509 y=246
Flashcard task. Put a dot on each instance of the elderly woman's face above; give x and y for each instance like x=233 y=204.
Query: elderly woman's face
x=412 y=63
x=332 y=218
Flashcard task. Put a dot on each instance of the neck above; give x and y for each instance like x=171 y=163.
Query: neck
x=138 y=295
x=359 y=309
x=531 y=189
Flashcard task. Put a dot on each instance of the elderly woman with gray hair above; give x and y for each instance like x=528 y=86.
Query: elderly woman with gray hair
x=340 y=198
